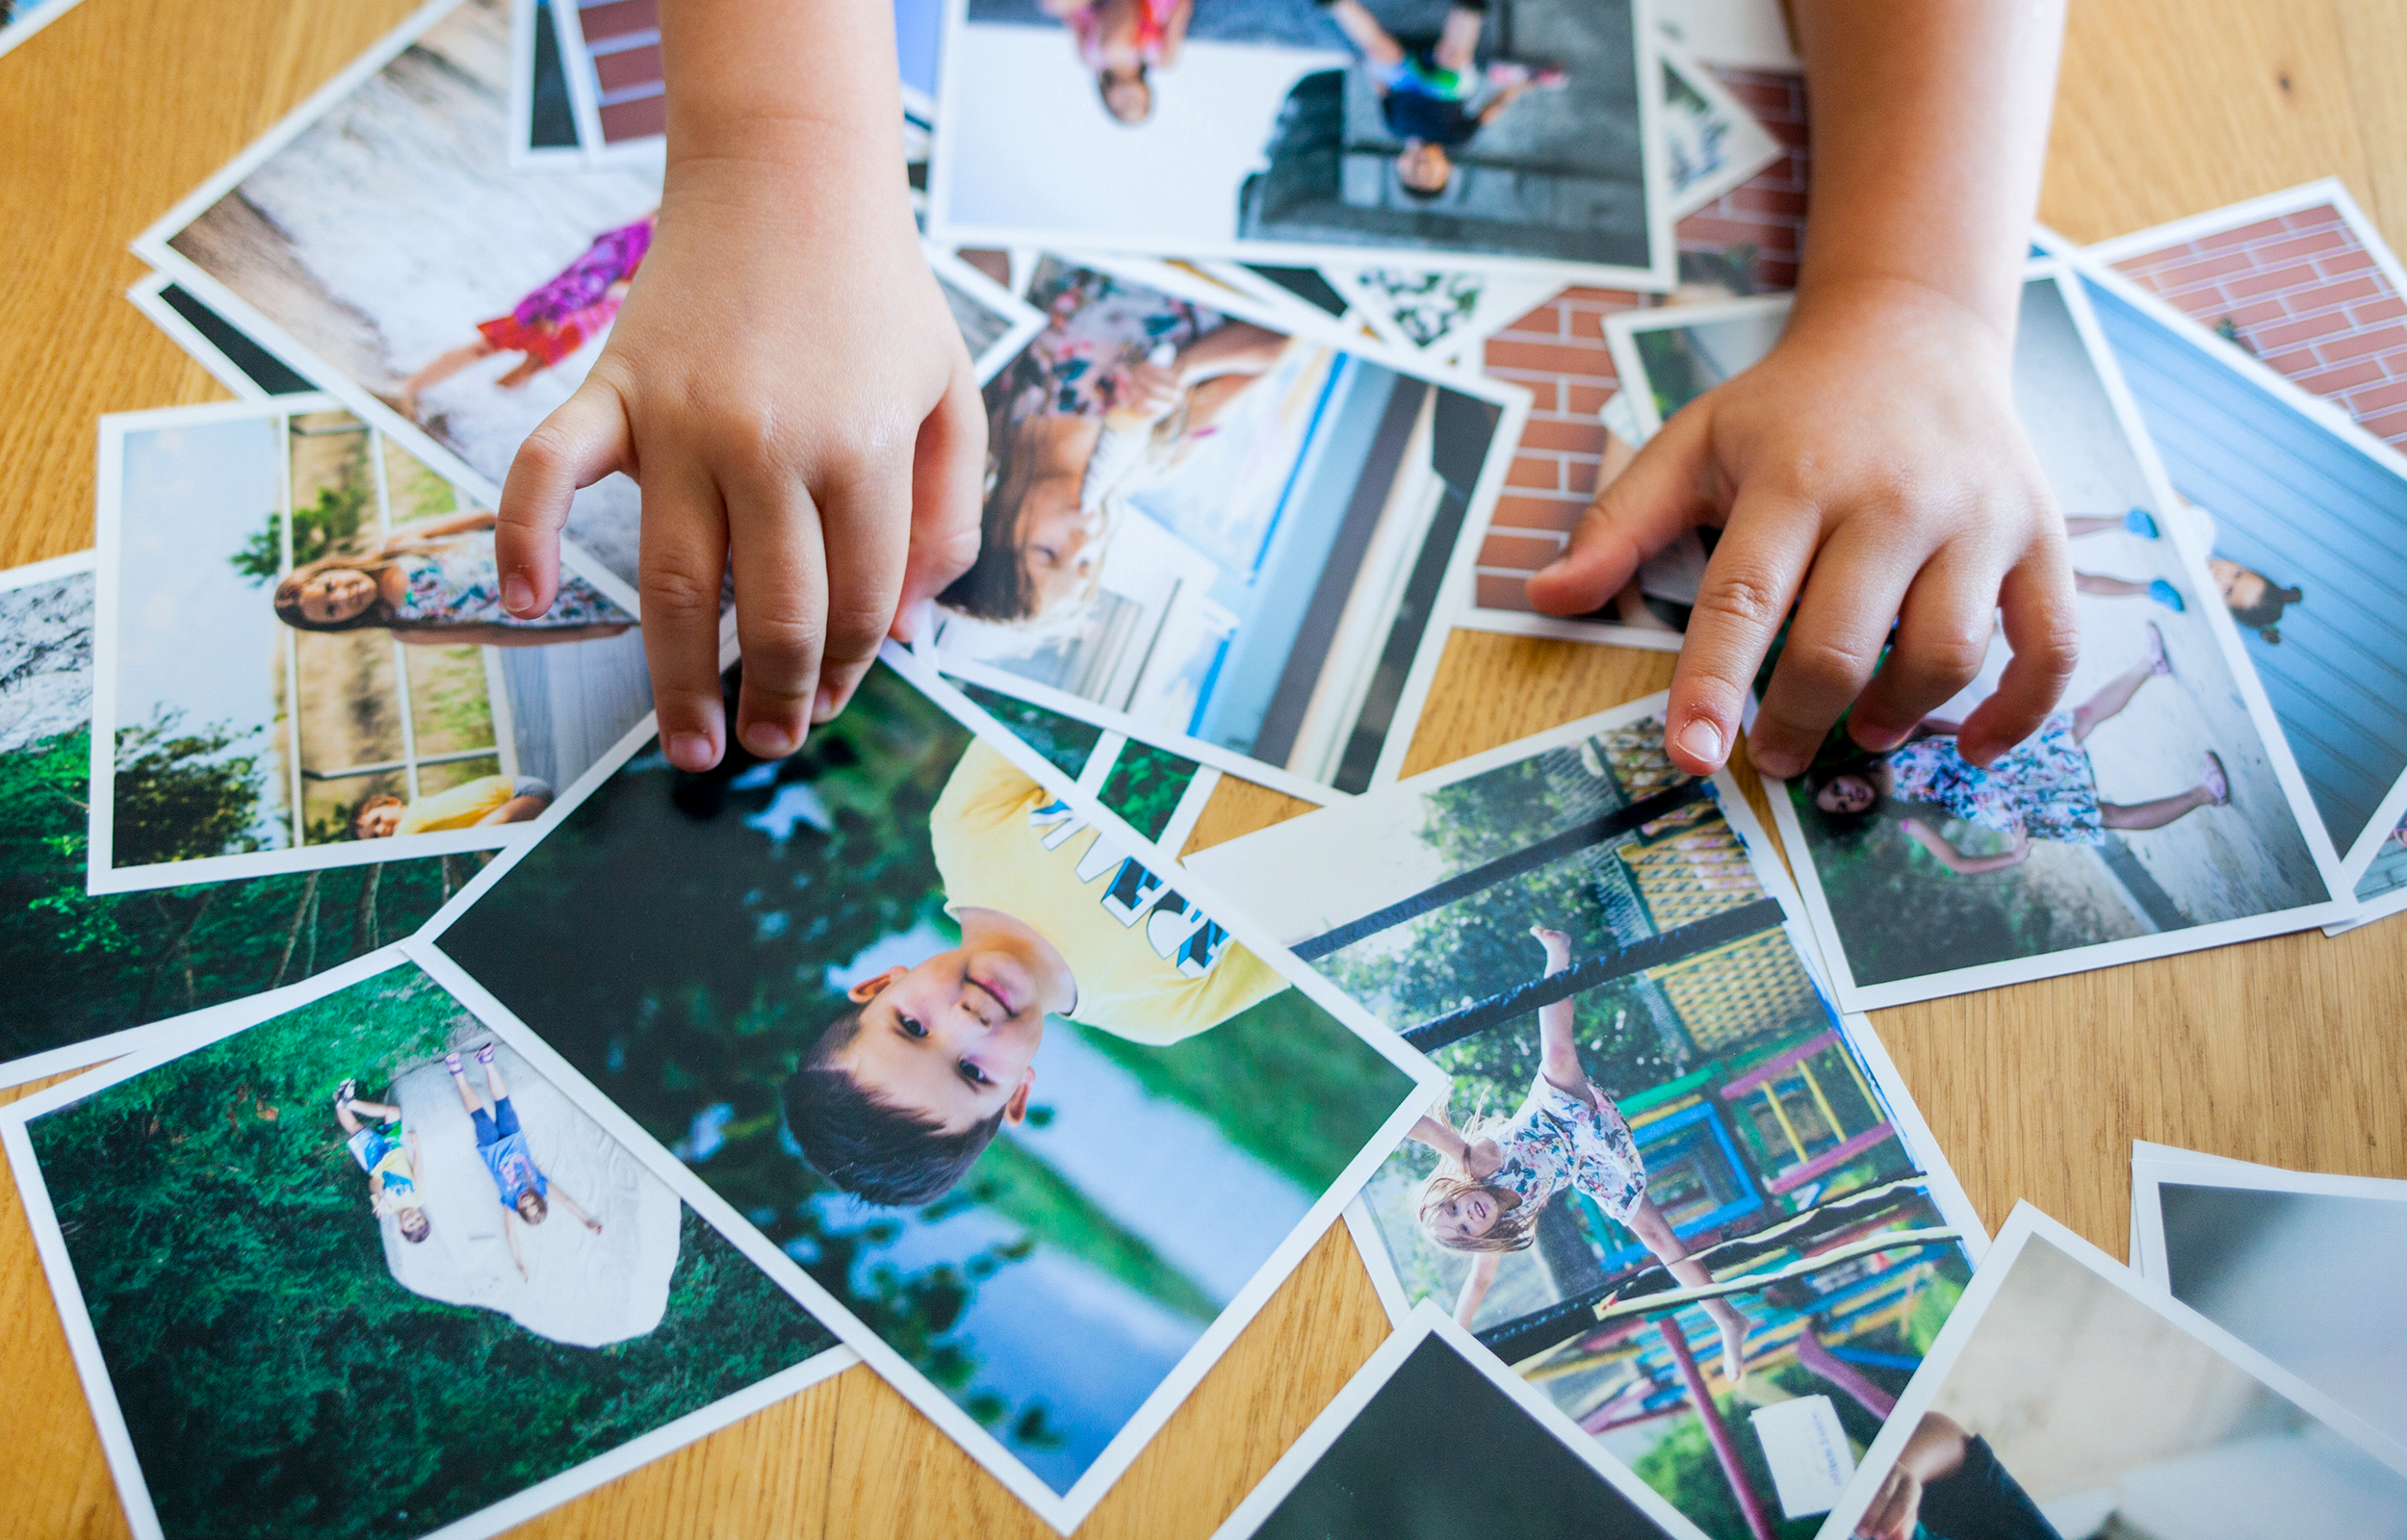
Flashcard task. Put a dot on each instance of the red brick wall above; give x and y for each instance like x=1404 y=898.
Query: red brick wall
x=1558 y=351
x=2306 y=296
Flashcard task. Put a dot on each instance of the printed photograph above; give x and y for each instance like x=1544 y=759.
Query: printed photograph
x=1504 y=133
x=2068 y=1405
x=1666 y=1186
x=2156 y=811
x=2306 y=531
x=20 y=19
x=355 y=1269
x=1363 y=1469
x=2233 y=1244
x=1216 y=535
x=543 y=120
x=83 y=967
x=394 y=255
x=1029 y=1118
x=307 y=662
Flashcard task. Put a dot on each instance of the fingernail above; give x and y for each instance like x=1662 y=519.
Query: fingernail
x=823 y=704
x=690 y=751
x=1700 y=740
x=518 y=595
x=768 y=741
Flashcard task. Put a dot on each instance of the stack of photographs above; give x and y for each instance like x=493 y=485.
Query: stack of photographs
x=1305 y=333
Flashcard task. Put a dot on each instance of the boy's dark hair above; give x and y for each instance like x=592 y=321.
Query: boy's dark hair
x=1424 y=194
x=880 y=1153
x=414 y=1232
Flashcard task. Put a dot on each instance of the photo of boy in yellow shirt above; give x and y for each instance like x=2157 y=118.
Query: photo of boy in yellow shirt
x=901 y=1092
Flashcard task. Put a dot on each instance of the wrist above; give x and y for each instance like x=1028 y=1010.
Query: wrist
x=1906 y=313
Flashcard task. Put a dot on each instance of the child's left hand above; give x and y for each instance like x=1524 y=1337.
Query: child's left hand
x=1482 y=1159
x=1870 y=467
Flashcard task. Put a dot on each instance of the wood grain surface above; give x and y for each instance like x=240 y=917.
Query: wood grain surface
x=2288 y=1051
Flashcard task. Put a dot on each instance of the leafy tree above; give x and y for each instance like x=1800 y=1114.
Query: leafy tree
x=1065 y=742
x=181 y=796
x=273 y=1378
x=80 y=965
x=330 y=525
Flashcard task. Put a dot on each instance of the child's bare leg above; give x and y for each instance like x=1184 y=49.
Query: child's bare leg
x=2090 y=582
x=2157 y=812
x=443 y=368
x=2077 y=524
x=1365 y=33
x=1654 y=1232
x=1558 y=1055
x=493 y=1080
x=527 y=369
x=459 y=1082
x=376 y=1110
x=1458 y=38
x=343 y=1115
x=2117 y=692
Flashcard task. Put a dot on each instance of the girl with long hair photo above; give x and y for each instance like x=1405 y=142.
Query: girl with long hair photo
x=1495 y=1175
x=436 y=585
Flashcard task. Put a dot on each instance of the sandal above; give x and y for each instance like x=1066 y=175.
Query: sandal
x=2217 y=783
x=450 y=1062
x=346 y=1094
x=2159 y=662
x=484 y=1053
x=2165 y=594
x=2141 y=522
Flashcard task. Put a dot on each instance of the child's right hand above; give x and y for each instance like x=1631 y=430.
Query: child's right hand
x=785 y=381
x=1558 y=947
x=1482 y=1159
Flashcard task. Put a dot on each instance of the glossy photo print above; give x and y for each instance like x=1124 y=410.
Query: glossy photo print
x=1367 y=1469
x=993 y=1086
x=342 y=1263
x=1219 y=530
x=302 y=659
x=90 y=973
x=2158 y=811
x=2066 y=1400
x=2293 y=1264
x=378 y=242
x=1517 y=135
x=2302 y=516
x=1669 y=1185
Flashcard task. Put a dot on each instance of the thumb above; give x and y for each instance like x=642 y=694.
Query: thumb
x=1634 y=516
x=584 y=440
x=949 y=468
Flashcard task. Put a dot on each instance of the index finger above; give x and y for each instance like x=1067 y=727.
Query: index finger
x=1756 y=570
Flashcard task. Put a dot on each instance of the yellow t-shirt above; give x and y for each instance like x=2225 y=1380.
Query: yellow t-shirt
x=458 y=808
x=1150 y=967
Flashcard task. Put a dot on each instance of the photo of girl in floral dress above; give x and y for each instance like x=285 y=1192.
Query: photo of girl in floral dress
x=437 y=585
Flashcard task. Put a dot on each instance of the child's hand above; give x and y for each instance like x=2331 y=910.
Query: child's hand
x=785 y=381
x=1482 y=1159
x=1870 y=467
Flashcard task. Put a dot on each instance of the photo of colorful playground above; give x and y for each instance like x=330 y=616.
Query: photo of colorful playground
x=1789 y=1238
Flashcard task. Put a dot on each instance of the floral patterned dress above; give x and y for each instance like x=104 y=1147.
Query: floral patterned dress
x=2043 y=787
x=458 y=584
x=1557 y=1139
x=1096 y=326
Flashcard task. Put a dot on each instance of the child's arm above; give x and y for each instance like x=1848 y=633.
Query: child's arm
x=1956 y=861
x=1474 y=1287
x=569 y=1203
x=1558 y=1056
x=1478 y=1158
x=509 y=1233
x=413 y=534
x=785 y=381
x=1871 y=467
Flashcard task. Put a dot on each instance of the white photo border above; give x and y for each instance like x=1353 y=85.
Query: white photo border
x=1414 y=1329
x=172 y=1040
x=1659 y=276
x=2023 y=1227
x=1063 y=1510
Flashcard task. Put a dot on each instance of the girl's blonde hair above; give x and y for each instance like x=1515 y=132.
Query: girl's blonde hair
x=1516 y=1221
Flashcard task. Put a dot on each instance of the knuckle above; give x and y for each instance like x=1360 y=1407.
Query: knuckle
x=1823 y=667
x=1952 y=657
x=855 y=629
x=677 y=594
x=1745 y=598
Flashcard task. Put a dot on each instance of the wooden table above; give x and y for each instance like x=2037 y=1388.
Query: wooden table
x=2291 y=1051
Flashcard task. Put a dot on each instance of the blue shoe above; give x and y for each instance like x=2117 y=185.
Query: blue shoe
x=2138 y=522
x=2165 y=594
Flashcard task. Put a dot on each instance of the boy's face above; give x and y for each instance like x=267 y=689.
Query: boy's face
x=953 y=1039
